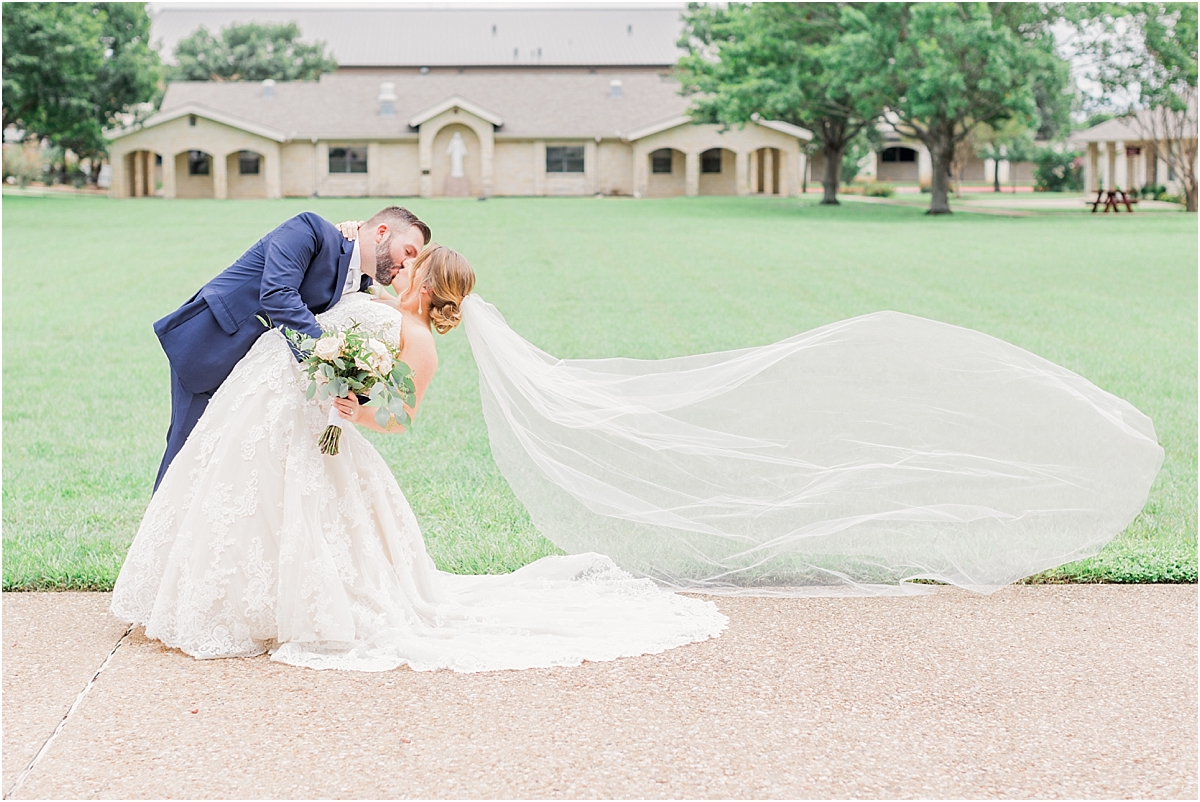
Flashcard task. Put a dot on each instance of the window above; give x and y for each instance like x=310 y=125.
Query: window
x=710 y=161
x=199 y=162
x=660 y=161
x=564 y=159
x=898 y=155
x=248 y=163
x=192 y=120
x=347 y=160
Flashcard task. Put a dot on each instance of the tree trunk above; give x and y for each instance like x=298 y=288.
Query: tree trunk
x=940 y=150
x=996 y=174
x=1189 y=194
x=833 y=172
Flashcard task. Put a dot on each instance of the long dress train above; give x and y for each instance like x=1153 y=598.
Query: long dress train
x=256 y=542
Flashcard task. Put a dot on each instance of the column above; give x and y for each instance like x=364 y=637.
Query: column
x=1141 y=167
x=1106 y=165
x=273 y=173
x=488 y=163
x=168 y=176
x=377 y=183
x=768 y=171
x=139 y=174
x=1091 y=175
x=755 y=186
x=424 y=156
x=1121 y=166
x=148 y=171
x=591 y=167
x=539 y=167
x=785 y=164
x=219 y=177
x=924 y=166
x=691 y=173
x=742 y=172
x=641 y=182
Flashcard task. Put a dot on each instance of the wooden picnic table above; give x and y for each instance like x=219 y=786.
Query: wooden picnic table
x=1112 y=199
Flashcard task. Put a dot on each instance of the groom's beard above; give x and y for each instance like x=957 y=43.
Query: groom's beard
x=385 y=266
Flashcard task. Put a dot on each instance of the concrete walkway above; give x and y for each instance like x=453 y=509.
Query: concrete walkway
x=1038 y=691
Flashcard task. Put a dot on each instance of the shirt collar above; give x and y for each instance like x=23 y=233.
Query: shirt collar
x=355 y=259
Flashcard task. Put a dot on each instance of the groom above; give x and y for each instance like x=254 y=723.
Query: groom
x=298 y=270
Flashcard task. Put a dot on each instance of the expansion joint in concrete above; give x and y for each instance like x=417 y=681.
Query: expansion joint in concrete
x=28 y=770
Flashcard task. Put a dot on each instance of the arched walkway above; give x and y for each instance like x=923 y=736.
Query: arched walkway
x=764 y=171
x=245 y=170
x=143 y=173
x=194 y=171
x=666 y=173
x=898 y=163
x=718 y=172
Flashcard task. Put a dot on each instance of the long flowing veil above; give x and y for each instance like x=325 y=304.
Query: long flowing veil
x=844 y=460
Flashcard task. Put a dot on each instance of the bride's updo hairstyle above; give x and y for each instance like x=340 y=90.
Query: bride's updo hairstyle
x=449 y=278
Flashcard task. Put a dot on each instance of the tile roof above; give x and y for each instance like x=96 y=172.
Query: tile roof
x=345 y=105
x=383 y=36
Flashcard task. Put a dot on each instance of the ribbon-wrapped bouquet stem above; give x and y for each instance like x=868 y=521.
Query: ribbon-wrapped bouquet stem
x=341 y=362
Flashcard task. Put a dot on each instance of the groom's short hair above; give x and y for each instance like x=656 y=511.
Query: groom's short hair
x=399 y=218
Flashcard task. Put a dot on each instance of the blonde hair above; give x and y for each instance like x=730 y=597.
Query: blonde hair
x=449 y=277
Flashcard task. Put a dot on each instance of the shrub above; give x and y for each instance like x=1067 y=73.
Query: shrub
x=1057 y=172
x=24 y=161
x=875 y=189
x=1154 y=191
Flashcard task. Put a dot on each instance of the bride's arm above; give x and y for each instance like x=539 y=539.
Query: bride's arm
x=418 y=353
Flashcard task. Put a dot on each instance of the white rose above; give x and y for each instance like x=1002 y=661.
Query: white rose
x=381 y=357
x=329 y=348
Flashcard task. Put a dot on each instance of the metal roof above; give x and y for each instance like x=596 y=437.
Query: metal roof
x=535 y=103
x=391 y=36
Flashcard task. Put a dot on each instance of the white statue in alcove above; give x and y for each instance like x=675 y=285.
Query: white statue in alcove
x=456 y=150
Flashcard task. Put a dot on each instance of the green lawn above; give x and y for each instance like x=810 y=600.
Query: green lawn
x=85 y=384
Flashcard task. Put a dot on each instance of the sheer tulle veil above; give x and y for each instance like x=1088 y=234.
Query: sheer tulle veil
x=844 y=460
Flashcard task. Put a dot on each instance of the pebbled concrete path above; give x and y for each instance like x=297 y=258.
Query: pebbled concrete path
x=1037 y=691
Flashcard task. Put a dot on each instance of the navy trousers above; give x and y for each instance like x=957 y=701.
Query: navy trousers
x=186 y=409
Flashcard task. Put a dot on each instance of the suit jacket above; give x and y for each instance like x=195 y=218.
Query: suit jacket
x=289 y=275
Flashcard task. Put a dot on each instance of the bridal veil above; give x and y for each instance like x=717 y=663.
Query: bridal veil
x=844 y=460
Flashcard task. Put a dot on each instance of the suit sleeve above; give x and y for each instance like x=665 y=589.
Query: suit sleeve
x=289 y=253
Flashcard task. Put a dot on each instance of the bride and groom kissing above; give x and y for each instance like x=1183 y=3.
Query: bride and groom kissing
x=848 y=459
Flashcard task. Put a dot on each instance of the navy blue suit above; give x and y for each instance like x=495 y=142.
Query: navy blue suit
x=289 y=275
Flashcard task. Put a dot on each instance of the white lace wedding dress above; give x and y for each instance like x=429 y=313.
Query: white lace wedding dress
x=257 y=542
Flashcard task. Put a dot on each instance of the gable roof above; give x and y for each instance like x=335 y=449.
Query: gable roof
x=1135 y=127
x=534 y=103
x=450 y=103
x=384 y=36
x=200 y=111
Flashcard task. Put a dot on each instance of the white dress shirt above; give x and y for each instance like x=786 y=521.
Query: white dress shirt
x=353 y=273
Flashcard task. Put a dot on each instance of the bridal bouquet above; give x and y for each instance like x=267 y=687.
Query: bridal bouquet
x=342 y=362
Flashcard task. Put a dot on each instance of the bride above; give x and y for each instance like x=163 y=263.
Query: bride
x=850 y=459
x=256 y=542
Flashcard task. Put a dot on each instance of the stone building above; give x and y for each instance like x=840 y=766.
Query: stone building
x=451 y=101
x=522 y=133
x=1130 y=152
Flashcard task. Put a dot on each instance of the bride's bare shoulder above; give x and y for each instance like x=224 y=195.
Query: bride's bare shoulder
x=417 y=346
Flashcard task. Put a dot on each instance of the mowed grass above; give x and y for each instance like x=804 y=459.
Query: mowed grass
x=86 y=401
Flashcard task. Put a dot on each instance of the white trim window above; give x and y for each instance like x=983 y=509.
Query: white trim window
x=347 y=160
x=564 y=159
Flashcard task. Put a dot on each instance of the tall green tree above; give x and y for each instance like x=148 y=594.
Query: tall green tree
x=250 y=52
x=784 y=61
x=73 y=69
x=948 y=67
